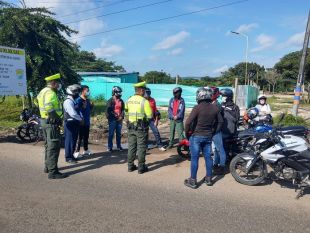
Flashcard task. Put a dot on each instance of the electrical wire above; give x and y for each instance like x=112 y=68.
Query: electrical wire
x=121 y=11
x=96 y=8
x=163 y=19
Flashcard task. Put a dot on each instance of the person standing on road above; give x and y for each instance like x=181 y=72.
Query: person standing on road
x=139 y=114
x=85 y=107
x=51 y=121
x=176 y=112
x=115 y=113
x=73 y=119
x=217 y=140
x=155 y=120
x=231 y=114
x=204 y=120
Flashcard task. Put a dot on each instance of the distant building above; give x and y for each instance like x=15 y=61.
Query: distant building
x=109 y=77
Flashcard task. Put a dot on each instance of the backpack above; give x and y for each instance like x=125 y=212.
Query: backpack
x=231 y=115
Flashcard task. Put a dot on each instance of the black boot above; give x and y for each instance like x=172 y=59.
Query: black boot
x=132 y=168
x=192 y=183
x=57 y=175
x=143 y=169
x=208 y=181
x=219 y=170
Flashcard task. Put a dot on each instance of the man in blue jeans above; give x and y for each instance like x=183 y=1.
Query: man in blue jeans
x=153 y=123
x=217 y=142
x=204 y=120
x=115 y=113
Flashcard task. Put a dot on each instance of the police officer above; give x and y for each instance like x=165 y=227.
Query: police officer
x=73 y=119
x=139 y=113
x=51 y=113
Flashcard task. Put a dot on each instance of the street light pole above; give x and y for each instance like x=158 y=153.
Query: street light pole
x=246 y=81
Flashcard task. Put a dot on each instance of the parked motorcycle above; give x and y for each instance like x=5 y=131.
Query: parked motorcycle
x=287 y=155
x=30 y=130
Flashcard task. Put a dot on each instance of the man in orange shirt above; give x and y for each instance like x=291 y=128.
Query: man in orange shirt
x=155 y=120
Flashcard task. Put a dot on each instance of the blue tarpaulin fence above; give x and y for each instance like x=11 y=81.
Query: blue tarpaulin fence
x=161 y=92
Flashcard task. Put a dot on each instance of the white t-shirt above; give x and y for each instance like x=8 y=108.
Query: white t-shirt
x=263 y=109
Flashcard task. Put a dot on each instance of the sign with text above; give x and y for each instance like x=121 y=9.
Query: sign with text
x=12 y=71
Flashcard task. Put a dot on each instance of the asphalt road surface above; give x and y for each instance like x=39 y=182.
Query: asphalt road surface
x=101 y=196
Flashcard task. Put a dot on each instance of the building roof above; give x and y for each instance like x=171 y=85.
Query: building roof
x=106 y=73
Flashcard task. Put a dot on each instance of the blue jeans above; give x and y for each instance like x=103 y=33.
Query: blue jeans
x=219 y=152
x=71 y=137
x=115 y=126
x=156 y=133
x=197 y=144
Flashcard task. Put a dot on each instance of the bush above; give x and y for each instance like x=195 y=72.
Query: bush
x=290 y=120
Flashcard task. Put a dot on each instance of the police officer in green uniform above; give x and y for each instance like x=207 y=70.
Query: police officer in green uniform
x=139 y=113
x=51 y=120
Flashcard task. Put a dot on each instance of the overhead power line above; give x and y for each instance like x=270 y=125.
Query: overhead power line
x=96 y=8
x=163 y=19
x=121 y=11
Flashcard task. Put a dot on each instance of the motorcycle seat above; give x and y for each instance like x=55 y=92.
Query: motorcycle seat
x=293 y=129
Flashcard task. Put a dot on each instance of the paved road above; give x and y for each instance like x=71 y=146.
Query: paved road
x=100 y=196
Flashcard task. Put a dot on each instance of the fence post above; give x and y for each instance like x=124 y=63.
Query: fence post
x=236 y=88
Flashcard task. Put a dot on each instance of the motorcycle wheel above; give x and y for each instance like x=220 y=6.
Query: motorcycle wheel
x=27 y=133
x=255 y=176
x=184 y=152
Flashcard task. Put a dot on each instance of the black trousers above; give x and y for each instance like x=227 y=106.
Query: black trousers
x=83 y=136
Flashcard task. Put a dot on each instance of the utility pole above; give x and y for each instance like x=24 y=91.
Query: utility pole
x=300 y=79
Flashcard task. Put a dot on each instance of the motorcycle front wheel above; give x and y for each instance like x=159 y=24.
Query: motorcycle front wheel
x=27 y=133
x=238 y=170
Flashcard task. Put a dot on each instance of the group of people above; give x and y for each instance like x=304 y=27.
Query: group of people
x=209 y=122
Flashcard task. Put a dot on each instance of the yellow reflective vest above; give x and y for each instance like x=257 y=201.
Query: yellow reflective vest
x=138 y=108
x=48 y=101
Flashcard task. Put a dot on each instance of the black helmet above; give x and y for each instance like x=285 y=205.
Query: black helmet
x=117 y=91
x=177 y=89
x=204 y=93
x=148 y=91
x=73 y=90
x=227 y=93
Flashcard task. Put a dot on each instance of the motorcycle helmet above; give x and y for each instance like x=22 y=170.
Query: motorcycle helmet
x=227 y=93
x=117 y=91
x=73 y=90
x=252 y=113
x=216 y=93
x=177 y=89
x=204 y=93
x=148 y=92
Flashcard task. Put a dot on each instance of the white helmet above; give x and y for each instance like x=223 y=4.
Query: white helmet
x=261 y=97
x=73 y=90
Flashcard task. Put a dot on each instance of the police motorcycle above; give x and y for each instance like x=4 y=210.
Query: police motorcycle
x=30 y=130
x=287 y=155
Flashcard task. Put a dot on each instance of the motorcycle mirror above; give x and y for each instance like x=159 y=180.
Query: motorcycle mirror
x=282 y=115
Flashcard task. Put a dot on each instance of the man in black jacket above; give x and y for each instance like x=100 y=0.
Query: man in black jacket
x=115 y=113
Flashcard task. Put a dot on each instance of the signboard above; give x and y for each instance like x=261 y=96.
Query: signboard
x=12 y=71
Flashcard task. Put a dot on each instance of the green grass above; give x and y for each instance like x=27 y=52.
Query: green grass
x=10 y=110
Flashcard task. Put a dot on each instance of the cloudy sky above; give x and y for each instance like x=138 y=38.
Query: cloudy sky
x=193 y=45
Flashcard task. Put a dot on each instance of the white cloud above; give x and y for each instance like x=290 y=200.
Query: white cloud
x=176 y=51
x=244 y=28
x=221 y=69
x=171 y=41
x=107 y=50
x=264 y=41
x=295 y=40
x=87 y=27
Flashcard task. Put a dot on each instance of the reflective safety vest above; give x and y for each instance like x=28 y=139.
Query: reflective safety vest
x=138 y=108
x=48 y=101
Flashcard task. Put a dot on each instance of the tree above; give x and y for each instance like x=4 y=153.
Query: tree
x=88 y=62
x=272 y=77
x=48 y=51
x=157 y=77
x=288 y=67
